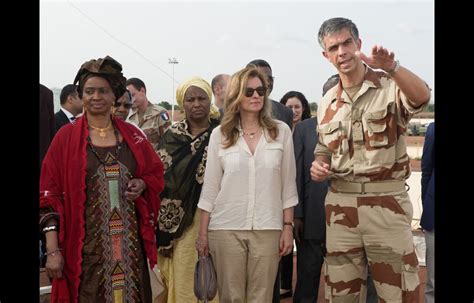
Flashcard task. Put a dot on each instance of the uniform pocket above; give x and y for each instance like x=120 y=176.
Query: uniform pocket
x=230 y=159
x=332 y=135
x=273 y=155
x=410 y=278
x=376 y=126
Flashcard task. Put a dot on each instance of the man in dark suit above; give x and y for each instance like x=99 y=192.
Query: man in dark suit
x=309 y=216
x=71 y=106
x=427 y=216
x=46 y=126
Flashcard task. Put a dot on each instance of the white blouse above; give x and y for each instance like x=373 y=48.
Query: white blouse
x=244 y=191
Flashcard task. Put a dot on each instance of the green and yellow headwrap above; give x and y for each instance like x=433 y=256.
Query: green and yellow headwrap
x=202 y=84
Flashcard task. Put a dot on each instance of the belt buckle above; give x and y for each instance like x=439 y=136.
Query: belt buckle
x=362 y=188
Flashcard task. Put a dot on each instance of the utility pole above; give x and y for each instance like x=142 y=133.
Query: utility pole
x=173 y=61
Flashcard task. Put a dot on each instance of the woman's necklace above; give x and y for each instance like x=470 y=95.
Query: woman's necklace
x=118 y=147
x=251 y=134
x=102 y=131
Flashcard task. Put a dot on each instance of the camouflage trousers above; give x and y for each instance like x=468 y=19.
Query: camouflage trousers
x=373 y=230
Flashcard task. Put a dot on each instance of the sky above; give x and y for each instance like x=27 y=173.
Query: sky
x=212 y=37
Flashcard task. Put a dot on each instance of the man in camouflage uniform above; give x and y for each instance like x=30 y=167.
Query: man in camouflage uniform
x=361 y=148
x=152 y=119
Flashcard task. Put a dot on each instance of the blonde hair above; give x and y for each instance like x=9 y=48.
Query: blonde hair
x=233 y=98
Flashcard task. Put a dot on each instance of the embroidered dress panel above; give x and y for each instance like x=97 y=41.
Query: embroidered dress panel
x=113 y=255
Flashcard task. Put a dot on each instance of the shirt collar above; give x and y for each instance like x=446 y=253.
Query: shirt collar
x=68 y=114
x=371 y=79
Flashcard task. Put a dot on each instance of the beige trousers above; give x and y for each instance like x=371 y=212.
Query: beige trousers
x=246 y=263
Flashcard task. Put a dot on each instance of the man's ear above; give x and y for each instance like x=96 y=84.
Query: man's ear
x=325 y=54
x=359 y=44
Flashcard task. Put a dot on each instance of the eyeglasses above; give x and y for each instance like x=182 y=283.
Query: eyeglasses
x=260 y=91
x=126 y=105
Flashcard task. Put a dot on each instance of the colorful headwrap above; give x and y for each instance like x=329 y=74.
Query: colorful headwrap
x=202 y=84
x=107 y=68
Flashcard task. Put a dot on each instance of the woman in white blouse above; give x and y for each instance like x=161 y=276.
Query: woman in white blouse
x=248 y=194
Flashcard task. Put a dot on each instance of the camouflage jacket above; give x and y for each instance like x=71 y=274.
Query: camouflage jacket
x=154 y=122
x=365 y=137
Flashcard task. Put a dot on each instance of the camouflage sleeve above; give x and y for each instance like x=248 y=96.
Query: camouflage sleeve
x=164 y=119
x=321 y=149
x=406 y=109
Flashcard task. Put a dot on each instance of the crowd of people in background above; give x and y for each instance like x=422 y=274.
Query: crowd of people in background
x=130 y=199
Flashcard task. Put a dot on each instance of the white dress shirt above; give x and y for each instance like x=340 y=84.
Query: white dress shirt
x=244 y=191
x=68 y=114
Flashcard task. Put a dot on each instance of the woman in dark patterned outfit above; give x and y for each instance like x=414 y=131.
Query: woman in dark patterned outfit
x=183 y=151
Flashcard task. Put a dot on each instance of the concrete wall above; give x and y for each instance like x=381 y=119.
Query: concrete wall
x=415 y=196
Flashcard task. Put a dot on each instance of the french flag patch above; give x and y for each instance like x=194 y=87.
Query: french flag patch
x=165 y=116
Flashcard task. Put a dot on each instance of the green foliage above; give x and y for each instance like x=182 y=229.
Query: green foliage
x=165 y=105
x=430 y=108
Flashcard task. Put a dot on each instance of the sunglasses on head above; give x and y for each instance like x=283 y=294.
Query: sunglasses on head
x=260 y=91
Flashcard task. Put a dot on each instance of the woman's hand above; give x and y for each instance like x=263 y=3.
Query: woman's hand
x=135 y=188
x=54 y=265
x=202 y=245
x=286 y=240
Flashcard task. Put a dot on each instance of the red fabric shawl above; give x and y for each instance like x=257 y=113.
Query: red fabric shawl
x=63 y=187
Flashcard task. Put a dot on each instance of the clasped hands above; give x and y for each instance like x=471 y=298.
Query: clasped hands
x=135 y=188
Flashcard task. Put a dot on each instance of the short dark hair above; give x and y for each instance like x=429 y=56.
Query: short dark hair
x=304 y=102
x=259 y=63
x=330 y=83
x=67 y=90
x=137 y=83
x=335 y=25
